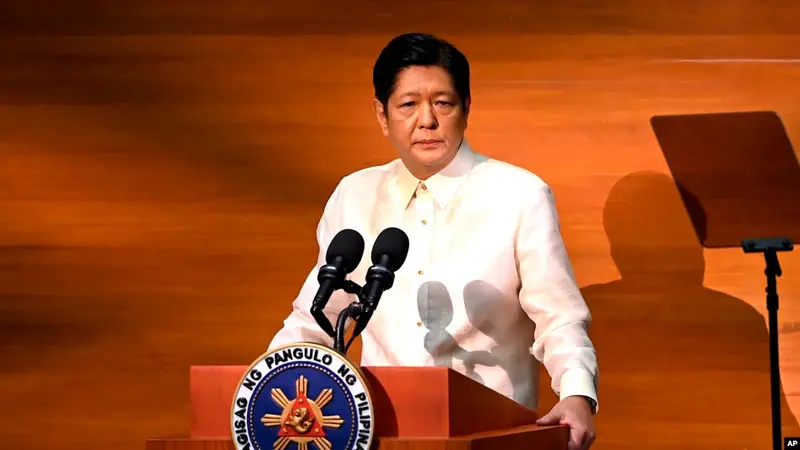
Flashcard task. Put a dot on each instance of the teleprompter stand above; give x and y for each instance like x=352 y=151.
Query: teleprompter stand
x=770 y=248
x=738 y=175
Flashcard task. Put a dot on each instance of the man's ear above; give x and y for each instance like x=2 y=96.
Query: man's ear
x=381 y=115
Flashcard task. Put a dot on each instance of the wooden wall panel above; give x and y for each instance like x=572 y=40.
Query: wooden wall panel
x=163 y=166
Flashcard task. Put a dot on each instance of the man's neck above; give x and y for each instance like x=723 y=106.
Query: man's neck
x=422 y=172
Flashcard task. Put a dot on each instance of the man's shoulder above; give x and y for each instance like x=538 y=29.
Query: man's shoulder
x=366 y=179
x=509 y=176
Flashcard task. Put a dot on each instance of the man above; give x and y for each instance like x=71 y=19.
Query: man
x=487 y=282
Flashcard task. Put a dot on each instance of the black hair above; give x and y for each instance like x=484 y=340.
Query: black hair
x=419 y=49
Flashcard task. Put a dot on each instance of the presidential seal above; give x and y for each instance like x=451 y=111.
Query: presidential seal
x=301 y=394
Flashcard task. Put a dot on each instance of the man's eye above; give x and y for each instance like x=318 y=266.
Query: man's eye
x=407 y=104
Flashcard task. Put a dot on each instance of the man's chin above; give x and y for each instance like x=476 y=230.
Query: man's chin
x=432 y=159
x=431 y=153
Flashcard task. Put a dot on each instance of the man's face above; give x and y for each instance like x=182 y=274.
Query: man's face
x=424 y=119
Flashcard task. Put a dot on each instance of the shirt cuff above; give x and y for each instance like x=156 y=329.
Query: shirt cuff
x=579 y=381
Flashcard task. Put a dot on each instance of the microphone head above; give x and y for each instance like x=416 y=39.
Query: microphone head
x=393 y=243
x=348 y=245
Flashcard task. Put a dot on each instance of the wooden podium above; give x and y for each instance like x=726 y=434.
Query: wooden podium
x=415 y=408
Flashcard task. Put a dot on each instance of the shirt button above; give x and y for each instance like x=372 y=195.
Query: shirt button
x=424 y=222
x=424 y=188
x=419 y=324
x=419 y=272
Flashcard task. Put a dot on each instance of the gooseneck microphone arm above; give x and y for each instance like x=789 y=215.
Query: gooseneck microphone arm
x=317 y=312
x=322 y=321
x=353 y=311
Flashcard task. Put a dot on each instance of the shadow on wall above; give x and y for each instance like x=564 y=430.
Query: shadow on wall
x=681 y=365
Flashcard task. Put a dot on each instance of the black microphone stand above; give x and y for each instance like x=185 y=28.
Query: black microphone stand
x=353 y=311
x=322 y=320
x=769 y=247
x=319 y=314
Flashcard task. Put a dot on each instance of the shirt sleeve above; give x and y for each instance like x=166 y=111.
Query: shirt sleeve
x=300 y=326
x=550 y=296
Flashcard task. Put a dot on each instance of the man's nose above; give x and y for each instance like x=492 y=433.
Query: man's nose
x=427 y=117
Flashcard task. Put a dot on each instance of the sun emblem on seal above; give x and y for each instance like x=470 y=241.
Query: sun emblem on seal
x=302 y=420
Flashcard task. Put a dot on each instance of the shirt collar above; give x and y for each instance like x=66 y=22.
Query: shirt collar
x=442 y=185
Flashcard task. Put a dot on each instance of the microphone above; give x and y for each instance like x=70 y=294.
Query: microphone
x=343 y=256
x=388 y=255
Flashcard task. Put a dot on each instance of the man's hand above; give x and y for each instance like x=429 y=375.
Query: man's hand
x=575 y=412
